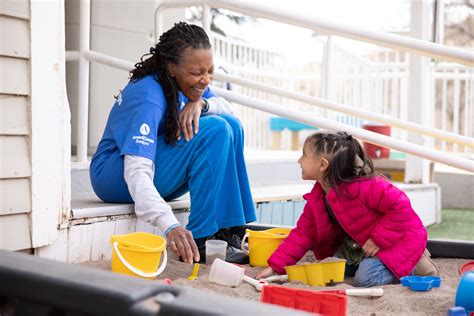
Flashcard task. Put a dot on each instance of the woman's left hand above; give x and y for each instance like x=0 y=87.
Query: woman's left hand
x=189 y=119
x=370 y=248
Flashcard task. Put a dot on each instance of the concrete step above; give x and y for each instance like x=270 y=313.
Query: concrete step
x=275 y=177
x=265 y=168
x=87 y=205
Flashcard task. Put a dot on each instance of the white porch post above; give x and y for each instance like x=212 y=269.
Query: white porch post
x=419 y=102
x=83 y=89
x=50 y=122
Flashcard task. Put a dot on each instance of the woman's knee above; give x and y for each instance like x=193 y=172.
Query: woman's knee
x=234 y=123
x=215 y=125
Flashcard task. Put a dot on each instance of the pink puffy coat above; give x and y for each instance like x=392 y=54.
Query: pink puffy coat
x=379 y=211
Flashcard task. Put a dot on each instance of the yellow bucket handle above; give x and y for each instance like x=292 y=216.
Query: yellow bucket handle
x=242 y=245
x=140 y=272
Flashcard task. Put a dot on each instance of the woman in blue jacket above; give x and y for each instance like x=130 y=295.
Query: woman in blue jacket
x=168 y=133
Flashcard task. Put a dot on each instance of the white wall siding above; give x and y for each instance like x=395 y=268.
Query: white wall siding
x=91 y=241
x=14 y=153
x=15 y=166
x=14 y=115
x=15 y=76
x=34 y=123
x=15 y=196
x=15 y=37
x=15 y=232
x=17 y=8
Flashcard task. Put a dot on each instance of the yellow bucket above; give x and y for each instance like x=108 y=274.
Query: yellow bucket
x=296 y=273
x=138 y=254
x=262 y=244
x=318 y=274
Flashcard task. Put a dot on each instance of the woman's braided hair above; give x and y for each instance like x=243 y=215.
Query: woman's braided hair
x=170 y=50
x=347 y=159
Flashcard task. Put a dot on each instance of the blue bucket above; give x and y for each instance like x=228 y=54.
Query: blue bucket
x=465 y=292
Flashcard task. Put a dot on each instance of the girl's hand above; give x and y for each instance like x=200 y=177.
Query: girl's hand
x=189 y=118
x=370 y=248
x=265 y=273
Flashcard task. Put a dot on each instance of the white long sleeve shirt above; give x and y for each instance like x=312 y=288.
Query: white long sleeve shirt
x=150 y=207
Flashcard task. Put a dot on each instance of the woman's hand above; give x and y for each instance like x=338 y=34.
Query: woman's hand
x=265 y=273
x=189 y=118
x=182 y=243
x=370 y=248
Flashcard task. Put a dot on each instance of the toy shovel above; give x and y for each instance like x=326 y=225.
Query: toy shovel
x=348 y=292
x=361 y=292
x=256 y=283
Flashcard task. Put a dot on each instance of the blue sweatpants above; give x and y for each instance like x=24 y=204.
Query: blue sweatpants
x=210 y=166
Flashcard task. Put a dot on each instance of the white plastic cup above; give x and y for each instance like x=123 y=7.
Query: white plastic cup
x=215 y=249
x=226 y=273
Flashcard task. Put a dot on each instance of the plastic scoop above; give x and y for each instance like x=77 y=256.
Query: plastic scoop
x=357 y=292
x=276 y=278
x=231 y=275
x=362 y=292
x=257 y=284
x=195 y=272
x=348 y=292
x=225 y=273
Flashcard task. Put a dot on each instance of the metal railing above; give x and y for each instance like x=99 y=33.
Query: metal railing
x=371 y=85
x=314 y=120
x=389 y=40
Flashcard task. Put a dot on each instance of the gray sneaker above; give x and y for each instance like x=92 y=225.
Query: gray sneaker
x=235 y=255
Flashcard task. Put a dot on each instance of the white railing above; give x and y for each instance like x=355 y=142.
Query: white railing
x=382 y=87
x=367 y=88
x=417 y=46
x=397 y=42
x=372 y=116
x=311 y=119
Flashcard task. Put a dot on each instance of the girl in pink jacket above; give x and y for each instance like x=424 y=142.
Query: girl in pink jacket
x=353 y=214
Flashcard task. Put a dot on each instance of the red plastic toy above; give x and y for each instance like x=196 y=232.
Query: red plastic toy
x=321 y=302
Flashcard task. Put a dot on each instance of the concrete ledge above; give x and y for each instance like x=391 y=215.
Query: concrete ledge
x=89 y=205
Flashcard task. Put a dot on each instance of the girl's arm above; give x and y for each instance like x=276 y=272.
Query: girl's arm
x=398 y=215
x=295 y=246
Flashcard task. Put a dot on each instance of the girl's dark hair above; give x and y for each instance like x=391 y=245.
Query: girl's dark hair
x=347 y=159
x=170 y=50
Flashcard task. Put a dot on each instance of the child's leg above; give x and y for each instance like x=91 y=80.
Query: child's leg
x=372 y=272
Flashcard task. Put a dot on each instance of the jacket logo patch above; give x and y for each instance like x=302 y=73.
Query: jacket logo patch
x=145 y=129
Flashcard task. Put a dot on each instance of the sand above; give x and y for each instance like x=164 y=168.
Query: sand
x=397 y=299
